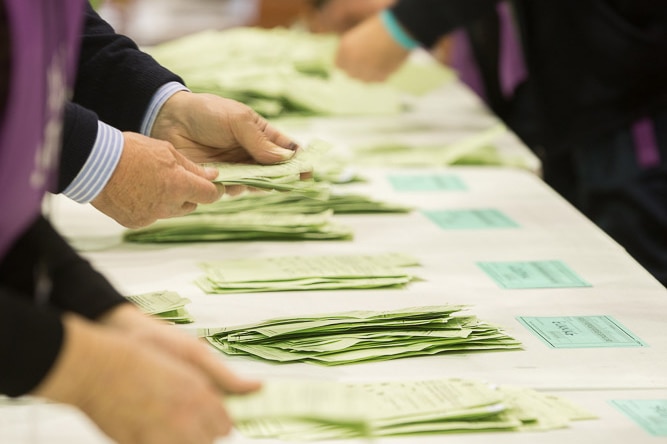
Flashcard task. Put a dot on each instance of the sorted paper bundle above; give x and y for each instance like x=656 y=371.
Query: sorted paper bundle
x=296 y=203
x=241 y=226
x=361 y=336
x=167 y=305
x=314 y=410
x=306 y=273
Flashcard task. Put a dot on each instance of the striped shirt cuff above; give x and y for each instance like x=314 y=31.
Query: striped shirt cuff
x=99 y=166
x=161 y=95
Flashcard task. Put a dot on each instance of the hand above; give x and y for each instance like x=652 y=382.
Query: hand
x=338 y=16
x=368 y=52
x=135 y=392
x=209 y=128
x=152 y=181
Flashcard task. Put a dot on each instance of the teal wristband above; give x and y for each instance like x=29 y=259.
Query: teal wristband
x=396 y=31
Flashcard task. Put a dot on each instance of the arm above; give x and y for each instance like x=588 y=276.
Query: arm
x=380 y=45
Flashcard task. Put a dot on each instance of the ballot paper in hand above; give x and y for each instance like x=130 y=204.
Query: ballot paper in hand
x=361 y=336
x=167 y=305
x=285 y=176
x=306 y=273
x=315 y=410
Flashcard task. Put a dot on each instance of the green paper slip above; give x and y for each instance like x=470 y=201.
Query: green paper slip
x=167 y=305
x=532 y=274
x=321 y=410
x=485 y=218
x=306 y=273
x=581 y=332
x=650 y=414
x=427 y=182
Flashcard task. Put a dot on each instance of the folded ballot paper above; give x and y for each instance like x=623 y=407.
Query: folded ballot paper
x=166 y=305
x=361 y=336
x=306 y=273
x=319 y=410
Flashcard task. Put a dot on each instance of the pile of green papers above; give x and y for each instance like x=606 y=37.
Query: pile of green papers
x=313 y=410
x=361 y=336
x=306 y=273
x=475 y=150
x=297 y=203
x=241 y=226
x=275 y=71
x=285 y=176
x=167 y=305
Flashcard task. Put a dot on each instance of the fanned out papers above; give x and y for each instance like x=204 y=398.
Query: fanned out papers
x=281 y=72
x=285 y=176
x=241 y=226
x=166 y=305
x=361 y=336
x=320 y=410
x=296 y=203
x=473 y=150
x=306 y=273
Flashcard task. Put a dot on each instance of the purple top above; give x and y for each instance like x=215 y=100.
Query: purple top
x=44 y=35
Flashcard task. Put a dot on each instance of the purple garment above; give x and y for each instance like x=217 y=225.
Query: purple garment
x=512 y=67
x=44 y=36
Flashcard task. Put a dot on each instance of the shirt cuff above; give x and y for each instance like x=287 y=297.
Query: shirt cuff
x=99 y=166
x=161 y=95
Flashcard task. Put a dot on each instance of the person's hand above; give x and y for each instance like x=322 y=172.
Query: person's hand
x=134 y=392
x=153 y=181
x=368 y=52
x=338 y=16
x=209 y=128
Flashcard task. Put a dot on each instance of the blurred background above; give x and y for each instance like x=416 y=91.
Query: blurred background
x=149 y=22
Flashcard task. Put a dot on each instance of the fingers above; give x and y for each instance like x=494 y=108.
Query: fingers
x=262 y=141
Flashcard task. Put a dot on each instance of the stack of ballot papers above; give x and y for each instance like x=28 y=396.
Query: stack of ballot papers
x=241 y=226
x=361 y=336
x=306 y=273
x=288 y=72
x=166 y=305
x=297 y=203
x=319 y=410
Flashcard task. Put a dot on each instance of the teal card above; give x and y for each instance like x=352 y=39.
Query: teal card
x=427 y=182
x=650 y=414
x=581 y=332
x=470 y=219
x=532 y=274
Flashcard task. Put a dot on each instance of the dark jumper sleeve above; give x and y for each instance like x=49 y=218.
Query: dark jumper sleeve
x=31 y=335
x=115 y=83
x=428 y=20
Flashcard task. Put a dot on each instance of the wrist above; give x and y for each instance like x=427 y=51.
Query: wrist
x=396 y=31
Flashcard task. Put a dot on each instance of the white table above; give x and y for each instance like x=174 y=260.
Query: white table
x=549 y=229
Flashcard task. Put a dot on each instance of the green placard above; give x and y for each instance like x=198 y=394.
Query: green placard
x=532 y=274
x=427 y=182
x=650 y=414
x=470 y=219
x=581 y=331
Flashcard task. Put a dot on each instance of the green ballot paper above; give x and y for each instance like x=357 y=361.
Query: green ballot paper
x=167 y=305
x=320 y=410
x=306 y=273
x=361 y=336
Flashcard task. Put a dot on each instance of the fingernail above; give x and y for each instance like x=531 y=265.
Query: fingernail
x=293 y=146
x=210 y=171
